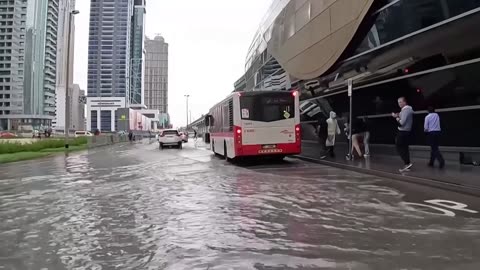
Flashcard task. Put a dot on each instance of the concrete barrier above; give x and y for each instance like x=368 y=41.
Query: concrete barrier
x=102 y=140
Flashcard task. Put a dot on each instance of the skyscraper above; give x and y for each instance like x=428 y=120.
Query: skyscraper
x=28 y=49
x=156 y=74
x=108 y=61
x=138 y=54
x=63 y=60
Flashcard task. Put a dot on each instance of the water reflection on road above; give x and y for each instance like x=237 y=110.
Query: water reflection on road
x=135 y=207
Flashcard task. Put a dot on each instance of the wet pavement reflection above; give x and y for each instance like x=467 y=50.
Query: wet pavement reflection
x=136 y=207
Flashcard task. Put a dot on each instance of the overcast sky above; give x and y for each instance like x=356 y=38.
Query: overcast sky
x=208 y=42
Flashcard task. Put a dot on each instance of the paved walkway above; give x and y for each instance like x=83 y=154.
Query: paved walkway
x=462 y=178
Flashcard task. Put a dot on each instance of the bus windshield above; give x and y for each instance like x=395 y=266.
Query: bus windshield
x=268 y=107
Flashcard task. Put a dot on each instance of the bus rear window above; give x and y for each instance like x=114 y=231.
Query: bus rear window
x=170 y=132
x=267 y=108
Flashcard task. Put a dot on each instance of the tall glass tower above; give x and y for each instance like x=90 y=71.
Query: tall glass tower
x=109 y=48
x=138 y=54
x=28 y=51
x=109 y=60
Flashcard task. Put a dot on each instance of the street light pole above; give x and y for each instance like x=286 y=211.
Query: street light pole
x=67 y=87
x=187 y=96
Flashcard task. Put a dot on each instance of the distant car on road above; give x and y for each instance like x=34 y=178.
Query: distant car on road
x=170 y=137
x=7 y=135
x=184 y=136
x=81 y=133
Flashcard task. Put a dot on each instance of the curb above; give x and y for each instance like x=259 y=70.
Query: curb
x=469 y=190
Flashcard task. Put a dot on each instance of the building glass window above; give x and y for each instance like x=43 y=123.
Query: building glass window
x=106 y=120
x=93 y=120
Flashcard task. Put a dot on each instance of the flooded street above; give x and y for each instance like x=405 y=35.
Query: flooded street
x=137 y=207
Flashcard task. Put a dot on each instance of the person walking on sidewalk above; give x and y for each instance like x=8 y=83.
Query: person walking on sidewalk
x=402 y=141
x=357 y=132
x=366 y=136
x=433 y=130
x=332 y=130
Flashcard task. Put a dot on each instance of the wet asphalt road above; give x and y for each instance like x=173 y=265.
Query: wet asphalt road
x=136 y=207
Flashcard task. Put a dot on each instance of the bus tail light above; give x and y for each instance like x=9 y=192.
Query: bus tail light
x=294 y=93
x=297 y=133
x=238 y=134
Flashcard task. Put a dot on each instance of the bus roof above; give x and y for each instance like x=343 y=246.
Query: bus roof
x=249 y=94
x=259 y=93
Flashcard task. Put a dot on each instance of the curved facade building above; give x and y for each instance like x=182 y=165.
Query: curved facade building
x=425 y=50
x=308 y=37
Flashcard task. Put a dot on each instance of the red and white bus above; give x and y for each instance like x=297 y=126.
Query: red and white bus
x=257 y=123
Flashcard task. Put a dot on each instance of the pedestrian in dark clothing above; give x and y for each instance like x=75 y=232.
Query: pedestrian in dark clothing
x=130 y=135
x=405 y=122
x=433 y=130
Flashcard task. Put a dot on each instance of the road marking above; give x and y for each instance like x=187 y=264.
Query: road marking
x=452 y=205
x=444 y=211
x=443 y=206
x=381 y=190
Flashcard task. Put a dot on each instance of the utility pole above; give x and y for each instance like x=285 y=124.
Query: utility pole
x=350 y=142
x=186 y=97
x=67 y=87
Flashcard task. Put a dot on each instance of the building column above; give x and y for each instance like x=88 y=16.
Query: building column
x=88 y=121
x=99 y=119
x=112 y=115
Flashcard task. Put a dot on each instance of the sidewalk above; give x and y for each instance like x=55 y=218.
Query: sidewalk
x=462 y=178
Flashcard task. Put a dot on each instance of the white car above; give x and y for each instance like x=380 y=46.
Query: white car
x=82 y=133
x=170 y=137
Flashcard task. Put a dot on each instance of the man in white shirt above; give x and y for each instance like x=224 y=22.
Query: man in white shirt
x=433 y=130
x=405 y=122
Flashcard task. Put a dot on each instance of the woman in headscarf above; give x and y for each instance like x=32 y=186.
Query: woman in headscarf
x=333 y=130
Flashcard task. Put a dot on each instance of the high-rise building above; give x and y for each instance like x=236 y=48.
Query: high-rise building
x=108 y=61
x=64 y=61
x=156 y=74
x=28 y=52
x=138 y=54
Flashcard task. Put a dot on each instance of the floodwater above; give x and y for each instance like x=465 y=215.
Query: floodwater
x=137 y=207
